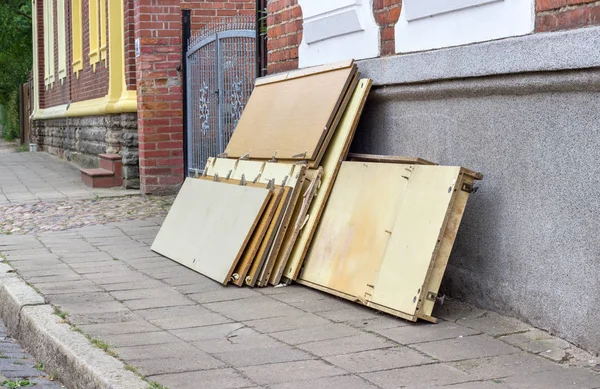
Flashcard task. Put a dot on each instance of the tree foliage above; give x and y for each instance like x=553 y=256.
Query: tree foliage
x=16 y=54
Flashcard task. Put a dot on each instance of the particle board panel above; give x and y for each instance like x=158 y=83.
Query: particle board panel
x=388 y=159
x=336 y=121
x=354 y=230
x=209 y=225
x=290 y=119
x=299 y=217
x=268 y=244
x=303 y=72
x=386 y=235
x=336 y=153
x=246 y=263
x=223 y=167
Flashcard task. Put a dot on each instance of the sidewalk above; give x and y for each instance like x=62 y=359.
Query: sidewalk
x=183 y=330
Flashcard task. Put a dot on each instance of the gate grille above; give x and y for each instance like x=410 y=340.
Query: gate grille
x=220 y=76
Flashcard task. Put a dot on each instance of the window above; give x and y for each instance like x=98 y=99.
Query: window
x=76 y=24
x=48 y=43
x=62 y=40
x=94 y=31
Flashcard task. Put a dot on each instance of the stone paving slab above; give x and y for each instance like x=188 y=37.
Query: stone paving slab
x=179 y=328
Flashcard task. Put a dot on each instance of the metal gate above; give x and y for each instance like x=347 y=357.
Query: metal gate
x=220 y=73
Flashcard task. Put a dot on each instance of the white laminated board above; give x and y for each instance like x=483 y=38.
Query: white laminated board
x=209 y=225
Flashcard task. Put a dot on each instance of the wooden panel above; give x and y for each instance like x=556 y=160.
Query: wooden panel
x=298 y=216
x=336 y=152
x=268 y=244
x=348 y=246
x=251 y=170
x=336 y=122
x=386 y=235
x=388 y=159
x=420 y=225
x=303 y=72
x=209 y=225
x=290 y=119
x=246 y=266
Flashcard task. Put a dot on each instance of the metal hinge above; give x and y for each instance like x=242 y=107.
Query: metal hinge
x=468 y=188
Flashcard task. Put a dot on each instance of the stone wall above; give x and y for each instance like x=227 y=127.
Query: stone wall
x=81 y=139
x=527 y=118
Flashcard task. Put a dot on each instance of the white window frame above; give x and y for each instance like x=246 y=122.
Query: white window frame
x=48 y=43
x=62 y=40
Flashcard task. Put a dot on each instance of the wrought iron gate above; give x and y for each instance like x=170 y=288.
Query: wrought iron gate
x=220 y=73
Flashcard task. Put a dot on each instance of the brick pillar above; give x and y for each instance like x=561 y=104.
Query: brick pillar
x=554 y=15
x=284 y=35
x=387 y=13
x=160 y=116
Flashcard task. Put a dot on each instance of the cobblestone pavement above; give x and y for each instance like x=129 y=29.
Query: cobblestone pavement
x=18 y=366
x=31 y=177
x=181 y=329
x=63 y=215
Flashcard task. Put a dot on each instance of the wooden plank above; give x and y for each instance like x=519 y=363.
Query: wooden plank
x=299 y=215
x=336 y=152
x=438 y=267
x=209 y=235
x=303 y=72
x=336 y=121
x=246 y=266
x=290 y=119
x=419 y=226
x=388 y=159
x=350 y=241
x=267 y=246
x=386 y=235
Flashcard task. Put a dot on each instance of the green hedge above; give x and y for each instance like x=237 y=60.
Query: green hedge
x=11 y=128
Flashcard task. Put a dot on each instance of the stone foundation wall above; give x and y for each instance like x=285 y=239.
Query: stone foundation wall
x=81 y=139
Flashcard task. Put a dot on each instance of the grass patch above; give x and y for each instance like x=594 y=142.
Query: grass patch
x=60 y=313
x=39 y=366
x=156 y=385
x=22 y=148
x=16 y=383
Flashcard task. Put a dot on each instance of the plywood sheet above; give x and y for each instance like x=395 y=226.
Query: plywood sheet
x=246 y=266
x=209 y=225
x=299 y=215
x=386 y=235
x=290 y=119
x=388 y=159
x=336 y=152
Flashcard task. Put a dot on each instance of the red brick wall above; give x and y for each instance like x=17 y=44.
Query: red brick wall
x=129 y=45
x=284 y=34
x=160 y=122
x=553 y=15
x=58 y=93
x=387 y=13
x=208 y=12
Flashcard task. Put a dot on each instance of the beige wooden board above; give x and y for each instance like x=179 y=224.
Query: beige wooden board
x=209 y=225
x=443 y=253
x=388 y=159
x=289 y=118
x=279 y=171
x=336 y=121
x=420 y=224
x=354 y=230
x=251 y=170
x=246 y=265
x=268 y=244
x=298 y=220
x=222 y=167
x=381 y=246
x=336 y=152
x=303 y=72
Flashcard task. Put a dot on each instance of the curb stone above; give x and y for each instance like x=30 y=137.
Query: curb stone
x=77 y=363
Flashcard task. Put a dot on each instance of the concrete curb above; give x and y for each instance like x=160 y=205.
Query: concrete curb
x=77 y=363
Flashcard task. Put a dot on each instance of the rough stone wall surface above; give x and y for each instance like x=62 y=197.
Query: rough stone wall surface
x=81 y=139
x=528 y=245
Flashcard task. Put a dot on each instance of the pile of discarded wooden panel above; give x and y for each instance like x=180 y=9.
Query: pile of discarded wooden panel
x=282 y=204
